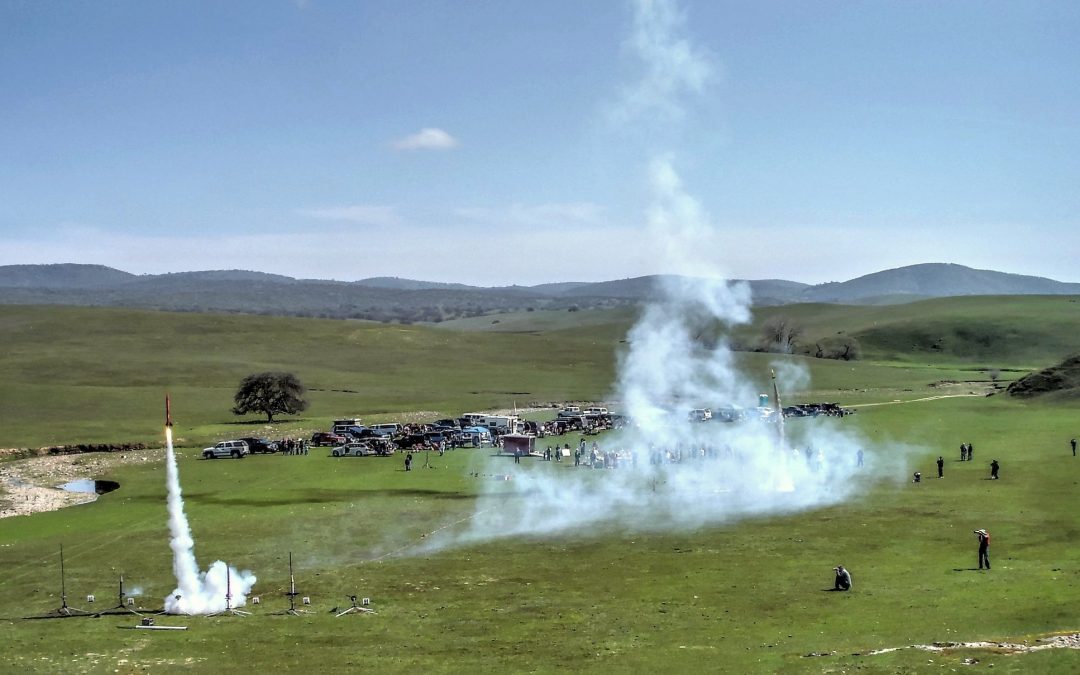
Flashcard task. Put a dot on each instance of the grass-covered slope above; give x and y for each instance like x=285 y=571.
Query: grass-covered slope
x=995 y=331
x=86 y=375
x=1061 y=380
x=99 y=375
x=746 y=597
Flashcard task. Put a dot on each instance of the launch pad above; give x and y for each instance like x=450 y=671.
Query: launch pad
x=292 y=593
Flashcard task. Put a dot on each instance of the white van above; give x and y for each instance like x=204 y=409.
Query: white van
x=387 y=429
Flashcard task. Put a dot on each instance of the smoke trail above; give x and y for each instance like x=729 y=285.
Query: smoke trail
x=666 y=472
x=196 y=592
x=672 y=67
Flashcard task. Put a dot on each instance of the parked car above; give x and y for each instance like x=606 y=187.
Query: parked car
x=257 y=445
x=360 y=434
x=326 y=438
x=476 y=436
x=436 y=437
x=699 y=415
x=386 y=429
x=353 y=450
x=234 y=449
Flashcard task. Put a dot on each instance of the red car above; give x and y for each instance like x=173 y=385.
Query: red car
x=327 y=438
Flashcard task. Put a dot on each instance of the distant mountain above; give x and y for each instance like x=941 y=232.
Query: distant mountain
x=764 y=291
x=776 y=291
x=636 y=288
x=409 y=284
x=407 y=300
x=66 y=275
x=933 y=280
x=561 y=288
x=216 y=275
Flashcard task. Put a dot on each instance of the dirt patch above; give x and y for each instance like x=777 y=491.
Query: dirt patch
x=1057 y=641
x=32 y=485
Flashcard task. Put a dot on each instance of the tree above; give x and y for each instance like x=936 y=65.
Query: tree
x=780 y=334
x=270 y=393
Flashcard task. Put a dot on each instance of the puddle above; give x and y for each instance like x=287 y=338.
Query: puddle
x=98 y=487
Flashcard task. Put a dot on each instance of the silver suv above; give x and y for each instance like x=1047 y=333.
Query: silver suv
x=235 y=449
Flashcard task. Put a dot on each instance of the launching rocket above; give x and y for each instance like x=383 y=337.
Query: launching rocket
x=168 y=413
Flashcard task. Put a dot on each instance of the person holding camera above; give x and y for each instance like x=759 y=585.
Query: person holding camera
x=843 y=579
x=984 y=548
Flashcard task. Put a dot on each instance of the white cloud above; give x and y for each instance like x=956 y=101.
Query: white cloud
x=383 y=216
x=427 y=139
x=570 y=214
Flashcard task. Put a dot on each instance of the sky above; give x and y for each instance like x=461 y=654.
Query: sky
x=510 y=142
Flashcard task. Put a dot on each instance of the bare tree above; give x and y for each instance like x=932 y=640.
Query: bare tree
x=780 y=334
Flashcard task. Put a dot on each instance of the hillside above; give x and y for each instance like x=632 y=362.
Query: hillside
x=1061 y=380
x=933 y=280
x=109 y=373
x=391 y=299
x=996 y=332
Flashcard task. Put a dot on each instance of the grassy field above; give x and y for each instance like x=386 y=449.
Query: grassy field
x=746 y=596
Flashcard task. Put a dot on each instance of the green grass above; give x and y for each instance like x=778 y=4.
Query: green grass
x=746 y=596
x=99 y=375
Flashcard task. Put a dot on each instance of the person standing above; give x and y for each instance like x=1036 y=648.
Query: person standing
x=940 y=467
x=994 y=466
x=408 y=462
x=517 y=455
x=1073 y=442
x=984 y=548
x=971 y=452
x=963 y=451
x=859 y=456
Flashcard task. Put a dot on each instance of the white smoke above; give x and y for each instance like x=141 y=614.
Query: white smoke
x=196 y=592
x=666 y=472
x=671 y=66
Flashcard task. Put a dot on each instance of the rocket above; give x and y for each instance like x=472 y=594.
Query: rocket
x=168 y=413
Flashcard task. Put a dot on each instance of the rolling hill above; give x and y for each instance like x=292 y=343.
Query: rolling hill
x=409 y=300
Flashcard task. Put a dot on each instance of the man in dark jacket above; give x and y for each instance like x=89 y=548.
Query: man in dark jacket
x=994 y=466
x=940 y=467
x=843 y=579
x=984 y=548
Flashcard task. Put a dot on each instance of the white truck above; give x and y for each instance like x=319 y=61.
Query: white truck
x=234 y=449
x=502 y=424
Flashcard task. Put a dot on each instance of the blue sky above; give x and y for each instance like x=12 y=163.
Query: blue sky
x=511 y=142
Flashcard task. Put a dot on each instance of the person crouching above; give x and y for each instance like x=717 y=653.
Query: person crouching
x=843 y=579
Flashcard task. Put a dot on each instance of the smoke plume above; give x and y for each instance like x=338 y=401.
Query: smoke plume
x=196 y=592
x=665 y=472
